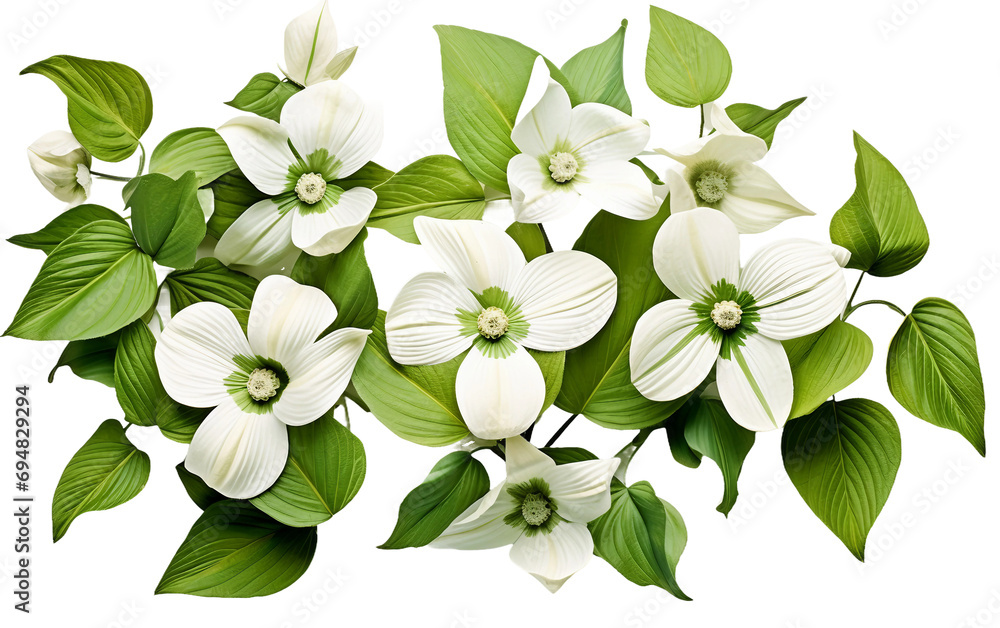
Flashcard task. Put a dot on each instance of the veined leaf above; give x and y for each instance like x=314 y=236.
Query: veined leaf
x=529 y=239
x=167 y=218
x=200 y=493
x=710 y=431
x=346 y=279
x=200 y=150
x=826 y=362
x=63 y=226
x=597 y=73
x=209 y=280
x=759 y=121
x=92 y=359
x=234 y=194
x=686 y=65
x=265 y=95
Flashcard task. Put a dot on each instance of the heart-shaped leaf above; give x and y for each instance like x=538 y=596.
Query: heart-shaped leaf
x=686 y=65
x=826 y=362
x=63 y=226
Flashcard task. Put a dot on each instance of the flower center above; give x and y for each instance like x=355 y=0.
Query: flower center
x=310 y=188
x=711 y=186
x=727 y=314
x=563 y=167
x=535 y=509
x=492 y=323
x=263 y=384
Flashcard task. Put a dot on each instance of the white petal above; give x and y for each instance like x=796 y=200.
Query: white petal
x=535 y=90
x=728 y=145
x=669 y=357
x=582 y=490
x=195 y=354
x=546 y=124
x=525 y=461
x=695 y=250
x=798 y=285
x=618 y=187
x=757 y=393
x=319 y=375
x=755 y=202
x=422 y=326
x=499 y=397
x=330 y=231
x=481 y=526
x=286 y=318
x=237 y=453
x=552 y=558
x=341 y=62
x=261 y=236
x=206 y=198
x=842 y=255
x=599 y=133
x=310 y=45
x=566 y=297
x=681 y=195
x=331 y=116
x=478 y=254
x=61 y=165
x=534 y=195
x=260 y=148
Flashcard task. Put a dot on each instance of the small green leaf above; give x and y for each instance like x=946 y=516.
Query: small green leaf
x=826 y=362
x=200 y=493
x=234 y=194
x=94 y=283
x=686 y=65
x=200 y=150
x=235 y=551
x=346 y=279
x=265 y=95
x=110 y=105
x=371 y=175
x=843 y=459
x=106 y=472
x=709 y=431
x=567 y=455
x=880 y=224
x=65 y=224
x=598 y=75
x=92 y=359
x=933 y=370
x=438 y=186
x=167 y=218
x=529 y=238
x=209 y=280
x=759 y=121
x=454 y=484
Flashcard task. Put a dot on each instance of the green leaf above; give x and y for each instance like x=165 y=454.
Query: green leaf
x=642 y=537
x=200 y=150
x=106 y=472
x=417 y=403
x=200 y=493
x=597 y=382
x=234 y=194
x=679 y=447
x=485 y=79
x=209 y=280
x=65 y=224
x=346 y=279
x=567 y=455
x=325 y=469
x=94 y=283
x=933 y=370
x=598 y=75
x=235 y=551
x=843 y=459
x=110 y=105
x=167 y=218
x=686 y=65
x=759 y=121
x=92 y=359
x=709 y=431
x=880 y=224
x=438 y=186
x=371 y=175
x=826 y=362
x=529 y=238
x=265 y=95
x=454 y=484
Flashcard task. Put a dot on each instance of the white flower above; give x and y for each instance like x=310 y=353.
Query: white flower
x=719 y=172
x=62 y=165
x=490 y=300
x=311 y=55
x=569 y=153
x=326 y=133
x=542 y=509
x=733 y=319
x=277 y=374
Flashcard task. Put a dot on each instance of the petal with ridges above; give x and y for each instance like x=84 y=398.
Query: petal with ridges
x=499 y=397
x=552 y=558
x=534 y=196
x=582 y=490
x=618 y=187
x=478 y=254
x=599 y=133
x=755 y=384
x=261 y=236
x=755 y=202
x=310 y=45
x=525 y=461
x=546 y=124
x=422 y=326
x=681 y=195
x=322 y=233
x=696 y=249
x=481 y=526
x=286 y=318
x=260 y=148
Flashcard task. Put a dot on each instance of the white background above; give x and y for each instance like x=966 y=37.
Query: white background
x=917 y=79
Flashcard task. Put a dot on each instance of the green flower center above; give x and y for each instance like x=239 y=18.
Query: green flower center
x=263 y=384
x=310 y=188
x=492 y=323
x=563 y=167
x=727 y=314
x=535 y=509
x=711 y=186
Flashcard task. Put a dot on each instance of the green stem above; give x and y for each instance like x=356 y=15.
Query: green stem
x=142 y=160
x=625 y=455
x=889 y=305
x=701 y=129
x=854 y=293
x=562 y=428
x=110 y=177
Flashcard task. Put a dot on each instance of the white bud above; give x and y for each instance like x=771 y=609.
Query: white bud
x=62 y=165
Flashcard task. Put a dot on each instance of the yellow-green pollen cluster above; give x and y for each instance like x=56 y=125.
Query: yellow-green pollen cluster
x=310 y=188
x=563 y=167
x=262 y=384
x=711 y=186
x=727 y=314
x=492 y=323
x=535 y=509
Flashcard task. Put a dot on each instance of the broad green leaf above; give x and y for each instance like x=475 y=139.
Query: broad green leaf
x=92 y=359
x=686 y=65
x=200 y=493
x=529 y=238
x=346 y=279
x=200 y=150
x=234 y=194
x=454 y=484
x=759 y=121
x=826 y=362
x=485 y=79
x=438 y=186
x=709 y=431
x=371 y=175
x=106 y=472
x=325 y=469
x=110 y=105
x=65 y=224
x=642 y=537
x=597 y=382
x=843 y=459
x=933 y=370
x=597 y=73
x=265 y=95
x=679 y=447
x=880 y=224
x=209 y=280
x=167 y=218
x=235 y=551
x=94 y=283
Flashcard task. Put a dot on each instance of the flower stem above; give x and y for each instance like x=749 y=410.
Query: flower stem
x=562 y=428
x=142 y=160
x=889 y=305
x=625 y=455
x=854 y=293
x=110 y=177
x=701 y=129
